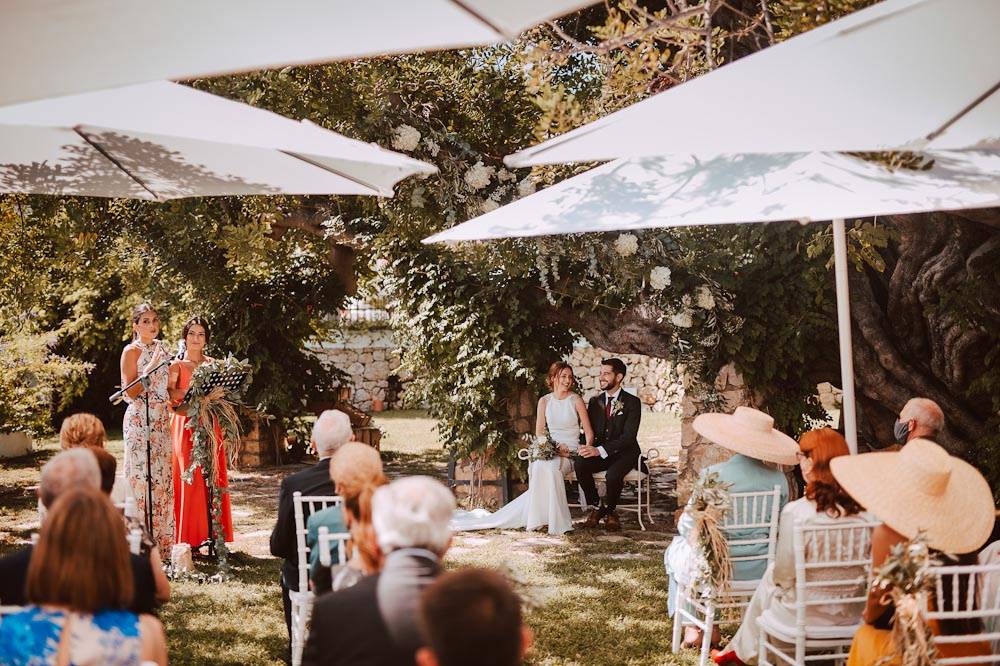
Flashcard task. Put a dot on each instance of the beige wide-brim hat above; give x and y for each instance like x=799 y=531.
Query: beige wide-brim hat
x=750 y=432
x=921 y=487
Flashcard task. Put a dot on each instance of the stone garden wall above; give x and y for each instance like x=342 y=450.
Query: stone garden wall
x=371 y=361
x=654 y=380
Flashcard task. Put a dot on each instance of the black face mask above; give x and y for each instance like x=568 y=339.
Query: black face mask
x=901 y=430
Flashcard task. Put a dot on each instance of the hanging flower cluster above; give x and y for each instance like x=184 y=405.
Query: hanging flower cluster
x=626 y=244
x=659 y=278
x=478 y=176
x=406 y=137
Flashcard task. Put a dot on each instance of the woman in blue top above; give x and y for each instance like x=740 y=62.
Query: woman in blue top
x=79 y=583
x=760 y=451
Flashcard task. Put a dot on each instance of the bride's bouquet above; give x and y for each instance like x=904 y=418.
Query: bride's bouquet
x=542 y=447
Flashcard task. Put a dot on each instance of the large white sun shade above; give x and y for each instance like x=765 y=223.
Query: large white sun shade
x=902 y=74
x=652 y=192
x=57 y=47
x=163 y=140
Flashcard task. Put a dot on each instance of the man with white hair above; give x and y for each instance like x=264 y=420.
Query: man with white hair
x=331 y=431
x=375 y=622
x=920 y=417
x=74 y=468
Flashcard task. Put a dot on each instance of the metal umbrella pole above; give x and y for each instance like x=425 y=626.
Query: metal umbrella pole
x=844 y=329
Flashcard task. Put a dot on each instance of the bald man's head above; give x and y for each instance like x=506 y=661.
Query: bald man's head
x=922 y=417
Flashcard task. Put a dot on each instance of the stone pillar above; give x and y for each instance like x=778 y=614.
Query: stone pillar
x=258 y=445
x=697 y=452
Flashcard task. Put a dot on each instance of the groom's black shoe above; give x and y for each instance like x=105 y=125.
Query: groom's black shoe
x=593 y=519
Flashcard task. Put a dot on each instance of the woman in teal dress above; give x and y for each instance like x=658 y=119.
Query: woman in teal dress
x=759 y=450
x=79 y=585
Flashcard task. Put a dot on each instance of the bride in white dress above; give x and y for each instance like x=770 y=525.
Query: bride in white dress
x=562 y=414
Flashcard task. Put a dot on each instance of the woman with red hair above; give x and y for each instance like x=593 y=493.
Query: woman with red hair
x=825 y=503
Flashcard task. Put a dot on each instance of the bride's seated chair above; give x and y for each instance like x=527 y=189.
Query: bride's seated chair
x=748 y=511
x=302 y=600
x=640 y=476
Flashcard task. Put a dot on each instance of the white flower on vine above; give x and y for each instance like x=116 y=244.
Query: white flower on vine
x=686 y=301
x=405 y=137
x=526 y=187
x=478 y=176
x=417 y=197
x=488 y=205
x=503 y=175
x=659 y=278
x=626 y=244
x=703 y=298
x=682 y=319
x=432 y=146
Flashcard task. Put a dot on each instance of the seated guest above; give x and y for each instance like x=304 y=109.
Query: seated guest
x=472 y=616
x=86 y=431
x=331 y=430
x=356 y=471
x=919 y=418
x=759 y=450
x=80 y=587
x=825 y=503
x=375 y=622
x=69 y=470
x=919 y=488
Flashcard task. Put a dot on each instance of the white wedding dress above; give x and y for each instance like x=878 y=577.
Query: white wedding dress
x=544 y=503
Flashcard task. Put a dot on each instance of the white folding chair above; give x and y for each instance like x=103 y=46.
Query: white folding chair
x=974 y=600
x=757 y=513
x=831 y=567
x=9 y=610
x=134 y=541
x=324 y=541
x=302 y=600
x=641 y=480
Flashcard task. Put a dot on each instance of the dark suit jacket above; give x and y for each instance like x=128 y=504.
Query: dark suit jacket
x=313 y=480
x=14 y=577
x=620 y=435
x=373 y=623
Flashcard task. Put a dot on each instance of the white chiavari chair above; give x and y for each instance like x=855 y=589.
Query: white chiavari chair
x=752 y=520
x=970 y=597
x=302 y=600
x=831 y=569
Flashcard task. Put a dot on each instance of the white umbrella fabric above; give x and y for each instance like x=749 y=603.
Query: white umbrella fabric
x=58 y=47
x=900 y=75
x=642 y=193
x=162 y=140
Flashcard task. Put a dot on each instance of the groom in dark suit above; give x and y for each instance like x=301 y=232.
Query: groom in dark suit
x=614 y=415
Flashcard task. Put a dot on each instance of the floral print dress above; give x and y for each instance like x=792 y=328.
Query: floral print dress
x=134 y=429
x=31 y=637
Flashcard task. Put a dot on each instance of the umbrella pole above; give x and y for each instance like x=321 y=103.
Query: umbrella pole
x=844 y=329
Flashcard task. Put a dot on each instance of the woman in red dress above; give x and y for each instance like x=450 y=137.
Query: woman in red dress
x=191 y=499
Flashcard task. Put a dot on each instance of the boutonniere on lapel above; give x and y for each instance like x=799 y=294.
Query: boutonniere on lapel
x=617 y=407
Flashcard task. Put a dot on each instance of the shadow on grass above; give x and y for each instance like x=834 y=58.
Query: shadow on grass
x=237 y=622
x=398 y=464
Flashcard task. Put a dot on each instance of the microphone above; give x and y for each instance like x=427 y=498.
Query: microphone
x=119 y=396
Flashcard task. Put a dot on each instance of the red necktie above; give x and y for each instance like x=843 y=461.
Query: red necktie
x=607 y=407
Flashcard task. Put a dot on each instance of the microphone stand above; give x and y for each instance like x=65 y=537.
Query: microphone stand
x=116 y=398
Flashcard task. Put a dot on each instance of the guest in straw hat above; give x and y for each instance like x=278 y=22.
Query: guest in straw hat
x=919 y=488
x=759 y=450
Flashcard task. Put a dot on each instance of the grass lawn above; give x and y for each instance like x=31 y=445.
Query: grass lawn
x=593 y=598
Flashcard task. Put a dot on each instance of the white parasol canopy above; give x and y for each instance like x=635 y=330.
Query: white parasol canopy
x=651 y=192
x=900 y=75
x=58 y=47
x=163 y=140
x=641 y=193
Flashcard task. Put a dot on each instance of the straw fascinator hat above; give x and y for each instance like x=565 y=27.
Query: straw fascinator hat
x=750 y=432
x=921 y=487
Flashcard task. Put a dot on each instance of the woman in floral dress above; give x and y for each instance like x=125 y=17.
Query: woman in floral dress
x=140 y=357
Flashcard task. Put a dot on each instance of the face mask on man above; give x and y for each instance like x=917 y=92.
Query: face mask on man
x=901 y=430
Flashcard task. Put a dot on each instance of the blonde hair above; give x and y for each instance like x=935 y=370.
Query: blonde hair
x=356 y=471
x=82 y=429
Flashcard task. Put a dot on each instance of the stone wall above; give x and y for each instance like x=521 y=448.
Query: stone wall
x=654 y=380
x=371 y=360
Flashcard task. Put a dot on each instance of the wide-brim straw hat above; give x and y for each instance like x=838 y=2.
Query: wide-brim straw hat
x=922 y=488
x=750 y=432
